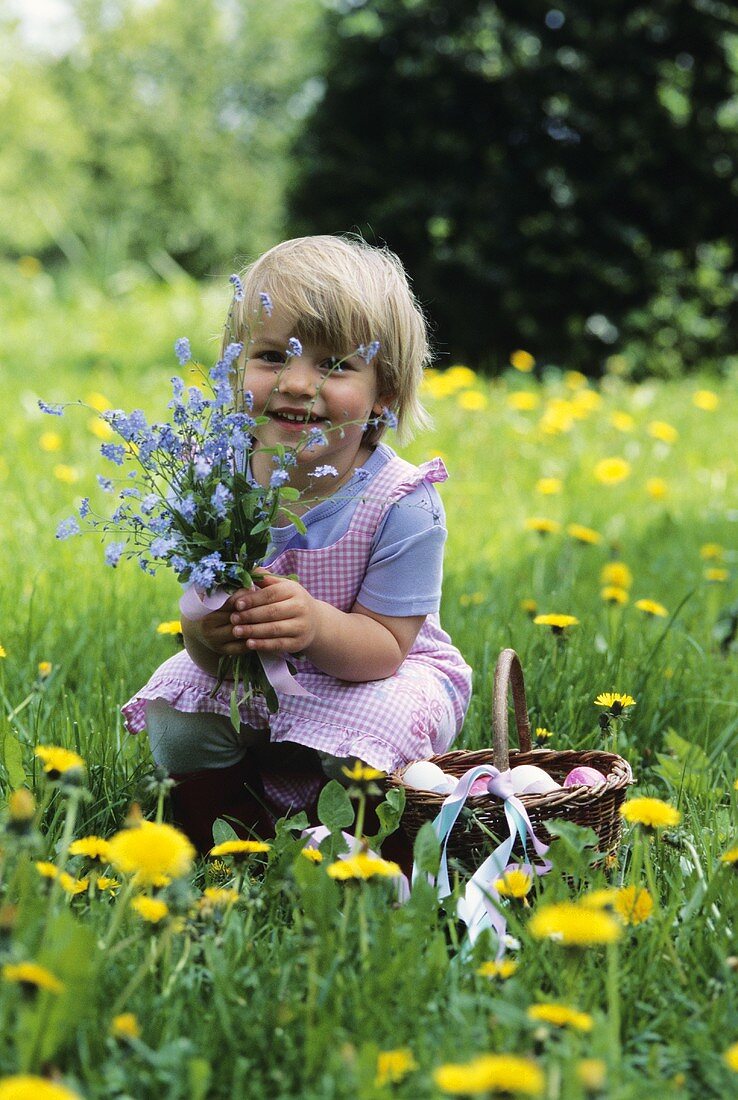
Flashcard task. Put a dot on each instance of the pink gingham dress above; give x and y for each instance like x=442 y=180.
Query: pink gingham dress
x=386 y=723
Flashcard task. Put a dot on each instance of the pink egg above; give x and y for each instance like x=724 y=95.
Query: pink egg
x=584 y=777
x=479 y=786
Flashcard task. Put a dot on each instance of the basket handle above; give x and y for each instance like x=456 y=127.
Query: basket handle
x=508 y=674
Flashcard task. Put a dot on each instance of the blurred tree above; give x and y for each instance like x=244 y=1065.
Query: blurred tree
x=161 y=133
x=556 y=178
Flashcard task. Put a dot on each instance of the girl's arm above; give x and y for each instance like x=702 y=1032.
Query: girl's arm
x=280 y=616
x=207 y=640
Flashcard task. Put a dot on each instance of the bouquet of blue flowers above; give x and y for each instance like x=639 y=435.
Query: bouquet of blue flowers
x=185 y=495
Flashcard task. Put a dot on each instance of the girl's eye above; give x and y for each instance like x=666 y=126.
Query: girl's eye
x=333 y=365
x=270 y=356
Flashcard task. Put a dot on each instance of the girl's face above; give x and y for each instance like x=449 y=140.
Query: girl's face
x=306 y=392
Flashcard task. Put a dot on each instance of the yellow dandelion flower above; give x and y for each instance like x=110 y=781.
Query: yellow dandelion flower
x=152 y=910
x=498 y=968
x=313 y=855
x=362 y=773
x=584 y=402
x=716 y=575
x=614 y=595
x=611 y=471
x=584 y=534
x=26 y=1086
x=558 y=623
x=730 y=857
x=652 y=813
x=239 y=849
x=514 y=883
x=471 y=599
x=50 y=442
x=561 y=1016
x=58 y=762
x=730 y=1057
x=107 y=884
x=394 y=1065
x=125 y=1026
x=506 y=1073
x=600 y=899
x=633 y=906
x=460 y=376
x=472 y=400
x=549 y=486
x=522 y=361
x=530 y=607
x=151 y=852
x=3 y=651
x=543 y=734
x=31 y=974
x=98 y=401
x=657 y=488
x=44 y=669
x=558 y=417
x=616 y=573
x=573 y=925
x=46 y=869
x=363 y=866
x=93 y=847
x=220 y=897
x=665 y=433
x=622 y=421
x=614 y=701
x=66 y=474
x=100 y=428
x=523 y=400
x=172 y=626
x=574 y=379
x=542 y=526
x=706 y=400
x=592 y=1074
x=72 y=885
x=21 y=805
x=652 y=607
x=712 y=551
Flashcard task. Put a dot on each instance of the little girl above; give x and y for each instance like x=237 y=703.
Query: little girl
x=383 y=682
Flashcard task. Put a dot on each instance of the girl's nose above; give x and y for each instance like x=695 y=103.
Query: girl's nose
x=298 y=377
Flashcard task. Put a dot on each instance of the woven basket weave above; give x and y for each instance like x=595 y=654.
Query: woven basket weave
x=595 y=807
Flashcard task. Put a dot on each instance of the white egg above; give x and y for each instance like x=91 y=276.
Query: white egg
x=527 y=779
x=426 y=776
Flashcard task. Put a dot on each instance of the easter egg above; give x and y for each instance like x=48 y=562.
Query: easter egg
x=527 y=779
x=426 y=776
x=584 y=777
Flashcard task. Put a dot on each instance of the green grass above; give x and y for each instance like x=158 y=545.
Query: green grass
x=308 y=980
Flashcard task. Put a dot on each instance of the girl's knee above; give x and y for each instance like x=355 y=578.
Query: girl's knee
x=183 y=743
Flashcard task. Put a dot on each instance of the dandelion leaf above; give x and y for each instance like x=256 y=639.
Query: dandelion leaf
x=222 y=832
x=13 y=761
x=685 y=766
x=427 y=850
x=334 y=807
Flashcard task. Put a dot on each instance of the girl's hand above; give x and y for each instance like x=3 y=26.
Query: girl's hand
x=213 y=633
x=277 y=616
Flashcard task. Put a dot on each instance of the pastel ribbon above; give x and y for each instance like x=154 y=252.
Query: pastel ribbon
x=195 y=605
x=480 y=907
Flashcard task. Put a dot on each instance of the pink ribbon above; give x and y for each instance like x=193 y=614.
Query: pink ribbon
x=195 y=605
x=480 y=906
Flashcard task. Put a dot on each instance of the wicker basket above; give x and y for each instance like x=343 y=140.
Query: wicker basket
x=595 y=807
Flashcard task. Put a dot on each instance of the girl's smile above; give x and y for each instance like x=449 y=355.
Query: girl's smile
x=314 y=392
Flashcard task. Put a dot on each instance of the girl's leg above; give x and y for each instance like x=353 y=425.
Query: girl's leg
x=214 y=772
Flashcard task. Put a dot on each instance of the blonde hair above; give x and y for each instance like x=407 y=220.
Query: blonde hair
x=340 y=293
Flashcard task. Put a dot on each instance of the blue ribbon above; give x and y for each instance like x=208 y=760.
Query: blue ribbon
x=480 y=907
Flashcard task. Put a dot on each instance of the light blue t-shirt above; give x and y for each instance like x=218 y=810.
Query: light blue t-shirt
x=405 y=567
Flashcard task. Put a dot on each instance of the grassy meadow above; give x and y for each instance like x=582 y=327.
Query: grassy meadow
x=299 y=984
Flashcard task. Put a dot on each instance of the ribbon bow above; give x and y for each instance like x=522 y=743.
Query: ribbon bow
x=196 y=605
x=480 y=907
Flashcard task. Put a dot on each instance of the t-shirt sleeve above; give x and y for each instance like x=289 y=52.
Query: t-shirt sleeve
x=405 y=568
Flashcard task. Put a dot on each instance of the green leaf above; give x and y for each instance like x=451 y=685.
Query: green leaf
x=685 y=766
x=222 y=832
x=390 y=812
x=427 y=850
x=200 y=1073
x=334 y=807
x=13 y=760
